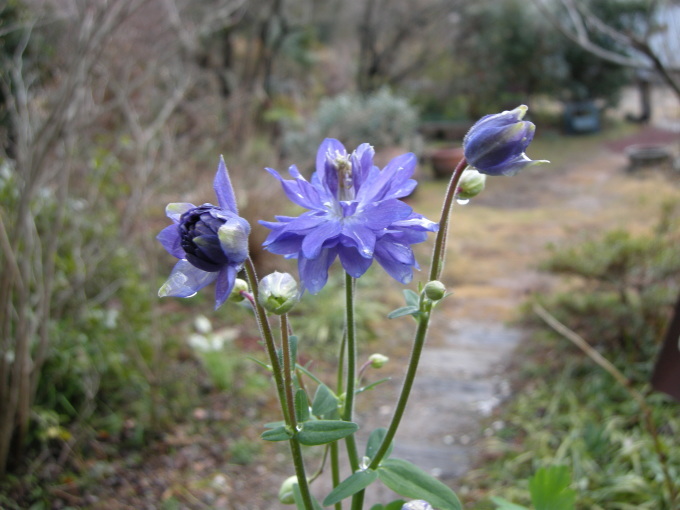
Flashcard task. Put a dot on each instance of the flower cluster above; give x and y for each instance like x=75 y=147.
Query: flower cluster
x=354 y=214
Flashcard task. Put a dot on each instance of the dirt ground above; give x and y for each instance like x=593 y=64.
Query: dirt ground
x=495 y=244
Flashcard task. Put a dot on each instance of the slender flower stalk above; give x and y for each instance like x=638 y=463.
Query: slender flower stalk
x=351 y=369
x=437 y=262
x=266 y=333
x=423 y=320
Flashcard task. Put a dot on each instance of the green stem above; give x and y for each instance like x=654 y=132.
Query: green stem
x=288 y=410
x=418 y=344
x=351 y=370
x=440 y=242
x=266 y=333
x=335 y=469
x=291 y=420
x=423 y=319
x=335 y=454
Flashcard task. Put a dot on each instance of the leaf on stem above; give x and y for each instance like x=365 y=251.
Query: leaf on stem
x=301 y=406
x=404 y=310
x=320 y=432
x=374 y=442
x=280 y=433
x=356 y=482
x=410 y=481
x=325 y=403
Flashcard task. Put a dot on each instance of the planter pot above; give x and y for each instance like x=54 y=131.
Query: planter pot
x=444 y=161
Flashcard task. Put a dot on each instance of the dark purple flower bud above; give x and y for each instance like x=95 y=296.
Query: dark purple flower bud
x=495 y=145
x=210 y=241
x=199 y=231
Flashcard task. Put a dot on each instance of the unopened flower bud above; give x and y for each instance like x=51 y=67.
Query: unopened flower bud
x=286 y=491
x=435 y=290
x=239 y=287
x=495 y=145
x=378 y=360
x=471 y=184
x=278 y=292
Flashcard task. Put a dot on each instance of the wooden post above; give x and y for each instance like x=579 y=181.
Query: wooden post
x=666 y=376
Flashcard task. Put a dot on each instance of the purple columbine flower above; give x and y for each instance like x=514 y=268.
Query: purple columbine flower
x=354 y=213
x=210 y=241
x=495 y=145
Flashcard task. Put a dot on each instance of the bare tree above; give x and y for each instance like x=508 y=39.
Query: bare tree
x=42 y=129
x=398 y=39
x=636 y=44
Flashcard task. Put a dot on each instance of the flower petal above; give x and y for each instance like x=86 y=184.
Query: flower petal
x=314 y=240
x=223 y=189
x=233 y=237
x=170 y=239
x=325 y=169
x=395 y=259
x=224 y=284
x=352 y=262
x=298 y=191
x=512 y=166
x=314 y=272
x=361 y=238
x=175 y=210
x=379 y=215
x=185 y=280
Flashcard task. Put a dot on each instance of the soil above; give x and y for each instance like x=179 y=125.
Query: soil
x=495 y=243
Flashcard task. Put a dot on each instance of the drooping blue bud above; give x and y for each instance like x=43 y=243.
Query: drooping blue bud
x=495 y=145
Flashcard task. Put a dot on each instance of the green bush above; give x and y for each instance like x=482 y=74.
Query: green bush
x=383 y=118
x=568 y=410
x=620 y=288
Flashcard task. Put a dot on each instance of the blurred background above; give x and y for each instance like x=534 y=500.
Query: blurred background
x=110 y=109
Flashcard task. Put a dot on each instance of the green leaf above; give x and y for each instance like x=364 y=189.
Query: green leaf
x=349 y=486
x=504 y=504
x=308 y=374
x=549 y=489
x=292 y=348
x=394 y=505
x=325 y=431
x=325 y=403
x=277 y=434
x=292 y=351
x=274 y=424
x=301 y=406
x=299 y=503
x=412 y=298
x=374 y=442
x=410 y=481
x=404 y=310
x=262 y=364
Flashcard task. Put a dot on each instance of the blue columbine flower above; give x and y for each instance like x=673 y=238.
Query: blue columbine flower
x=210 y=241
x=495 y=145
x=354 y=214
